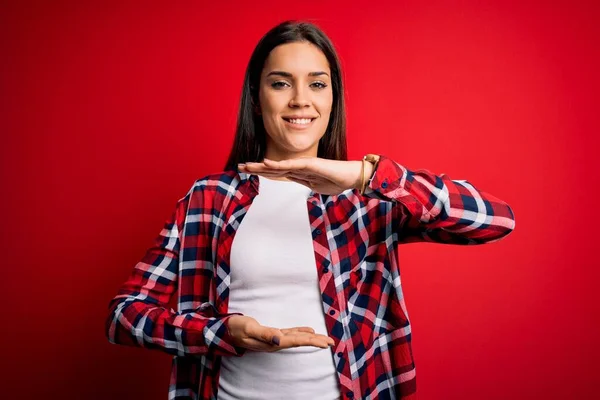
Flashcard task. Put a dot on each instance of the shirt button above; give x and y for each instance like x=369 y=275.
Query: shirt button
x=318 y=231
x=340 y=354
x=314 y=202
x=331 y=312
x=325 y=270
x=384 y=184
x=350 y=394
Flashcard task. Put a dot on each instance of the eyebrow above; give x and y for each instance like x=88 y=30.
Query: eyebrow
x=288 y=75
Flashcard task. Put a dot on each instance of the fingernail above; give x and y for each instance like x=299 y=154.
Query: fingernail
x=275 y=340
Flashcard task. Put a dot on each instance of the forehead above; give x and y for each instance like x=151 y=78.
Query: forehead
x=298 y=58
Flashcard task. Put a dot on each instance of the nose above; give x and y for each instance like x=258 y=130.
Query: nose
x=299 y=98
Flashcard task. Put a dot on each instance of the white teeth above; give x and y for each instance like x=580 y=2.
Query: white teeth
x=300 y=121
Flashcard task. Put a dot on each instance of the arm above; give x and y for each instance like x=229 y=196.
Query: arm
x=431 y=208
x=138 y=314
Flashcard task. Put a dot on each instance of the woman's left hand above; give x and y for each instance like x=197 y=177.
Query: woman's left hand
x=320 y=174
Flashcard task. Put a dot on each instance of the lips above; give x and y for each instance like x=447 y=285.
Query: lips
x=291 y=125
x=288 y=119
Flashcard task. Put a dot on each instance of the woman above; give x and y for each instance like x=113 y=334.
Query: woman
x=306 y=302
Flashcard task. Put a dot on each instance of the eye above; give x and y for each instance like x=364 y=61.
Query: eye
x=278 y=84
x=323 y=85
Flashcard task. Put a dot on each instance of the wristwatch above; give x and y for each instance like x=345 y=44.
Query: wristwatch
x=373 y=159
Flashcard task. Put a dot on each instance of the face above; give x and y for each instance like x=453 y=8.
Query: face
x=295 y=81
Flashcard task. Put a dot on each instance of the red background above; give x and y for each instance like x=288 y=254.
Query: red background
x=109 y=112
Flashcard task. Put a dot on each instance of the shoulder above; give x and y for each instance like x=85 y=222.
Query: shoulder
x=223 y=182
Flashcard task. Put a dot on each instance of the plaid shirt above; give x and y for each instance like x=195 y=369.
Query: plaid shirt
x=355 y=242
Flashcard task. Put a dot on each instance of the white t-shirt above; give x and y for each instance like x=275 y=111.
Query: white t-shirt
x=274 y=280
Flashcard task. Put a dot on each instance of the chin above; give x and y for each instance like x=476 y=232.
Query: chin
x=302 y=142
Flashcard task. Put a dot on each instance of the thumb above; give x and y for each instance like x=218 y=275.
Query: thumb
x=271 y=335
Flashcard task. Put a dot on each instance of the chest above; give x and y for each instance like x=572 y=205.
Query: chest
x=347 y=240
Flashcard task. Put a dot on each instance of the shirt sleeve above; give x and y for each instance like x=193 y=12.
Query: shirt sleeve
x=432 y=208
x=138 y=314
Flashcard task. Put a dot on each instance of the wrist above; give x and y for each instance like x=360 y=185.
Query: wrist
x=358 y=180
x=369 y=168
x=364 y=175
x=370 y=162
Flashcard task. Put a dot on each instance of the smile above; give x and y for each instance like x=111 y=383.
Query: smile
x=299 y=123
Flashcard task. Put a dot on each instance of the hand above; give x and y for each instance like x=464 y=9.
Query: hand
x=248 y=333
x=320 y=174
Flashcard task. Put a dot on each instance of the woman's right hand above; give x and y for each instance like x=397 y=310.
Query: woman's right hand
x=248 y=333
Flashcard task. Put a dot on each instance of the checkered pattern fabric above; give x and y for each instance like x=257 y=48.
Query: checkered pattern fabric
x=355 y=242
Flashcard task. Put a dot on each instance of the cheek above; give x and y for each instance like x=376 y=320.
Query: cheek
x=268 y=110
x=325 y=105
x=325 y=113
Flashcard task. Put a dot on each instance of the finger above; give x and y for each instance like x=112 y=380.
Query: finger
x=258 y=345
x=305 y=339
x=299 y=178
x=285 y=174
x=268 y=170
x=259 y=166
x=291 y=339
x=299 y=333
x=267 y=334
x=327 y=339
x=270 y=174
x=290 y=164
x=253 y=166
x=261 y=170
x=307 y=329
